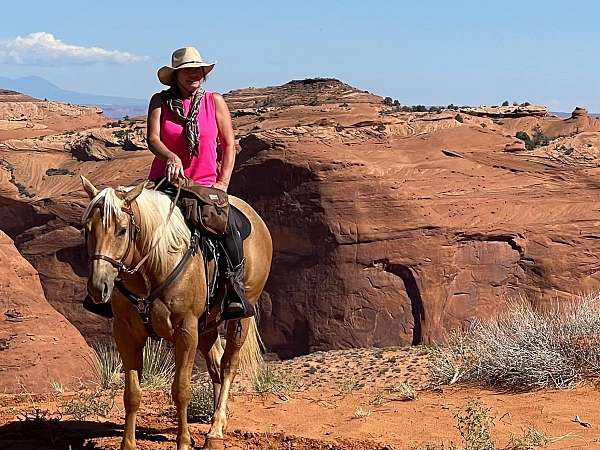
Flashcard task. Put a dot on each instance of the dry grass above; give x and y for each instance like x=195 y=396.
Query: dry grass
x=360 y=413
x=159 y=365
x=274 y=380
x=86 y=404
x=107 y=365
x=404 y=392
x=525 y=349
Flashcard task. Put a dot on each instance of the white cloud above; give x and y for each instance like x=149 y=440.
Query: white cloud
x=44 y=49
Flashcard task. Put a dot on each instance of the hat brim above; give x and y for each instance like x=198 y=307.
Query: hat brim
x=165 y=73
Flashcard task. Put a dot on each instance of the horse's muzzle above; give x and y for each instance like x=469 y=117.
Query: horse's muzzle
x=100 y=291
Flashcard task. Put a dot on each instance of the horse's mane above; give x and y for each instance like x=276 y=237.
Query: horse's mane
x=156 y=235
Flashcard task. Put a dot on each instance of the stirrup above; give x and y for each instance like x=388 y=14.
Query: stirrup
x=235 y=304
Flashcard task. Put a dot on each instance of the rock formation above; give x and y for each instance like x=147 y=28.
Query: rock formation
x=390 y=228
x=507 y=111
x=579 y=112
x=38 y=346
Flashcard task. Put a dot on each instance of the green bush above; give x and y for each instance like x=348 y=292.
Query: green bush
x=459 y=118
x=523 y=136
x=505 y=103
x=388 y=101
x=58 y=171
x=538 y=137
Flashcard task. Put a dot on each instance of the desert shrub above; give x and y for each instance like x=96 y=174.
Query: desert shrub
x=522 y=135
x=23 y=190
x=89 y=404
x=159 y=365
x=107 y=365
x=525 y=104
x=388 y=101
x=58 y=171
x=120 y=134
x=474 y=425
x=529 y=440
x=524 y=349
x=459 y=118
x=349 y=385
x=202 y=405
x=271 y=379
x=404 y=392
x=505 y=103
x=538 y=137
x=452 y=106
x=396 y=103
x=362 y=413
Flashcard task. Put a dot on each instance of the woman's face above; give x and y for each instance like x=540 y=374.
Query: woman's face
x=190 y=78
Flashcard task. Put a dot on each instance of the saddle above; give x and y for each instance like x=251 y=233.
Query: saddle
x=209 y=215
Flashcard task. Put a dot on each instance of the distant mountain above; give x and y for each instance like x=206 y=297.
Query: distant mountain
x=40 y=88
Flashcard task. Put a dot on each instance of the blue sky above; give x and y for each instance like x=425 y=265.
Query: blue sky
x=429 y=52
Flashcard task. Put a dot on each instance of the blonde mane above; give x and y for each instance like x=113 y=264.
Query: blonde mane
x=156 y=236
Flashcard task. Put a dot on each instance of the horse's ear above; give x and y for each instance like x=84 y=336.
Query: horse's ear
x=91 y=190
x=135 y=192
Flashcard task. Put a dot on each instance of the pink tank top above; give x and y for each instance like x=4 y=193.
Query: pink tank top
x=203 y=168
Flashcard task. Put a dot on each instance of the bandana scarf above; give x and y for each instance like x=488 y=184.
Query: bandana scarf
x=172 y=98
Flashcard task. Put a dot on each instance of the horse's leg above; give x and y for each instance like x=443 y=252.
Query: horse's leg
x=212 y=350
x=236 y=349
x=186 y=341
x=131 y=351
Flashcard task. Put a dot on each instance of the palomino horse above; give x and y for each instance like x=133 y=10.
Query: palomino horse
x=130 y=226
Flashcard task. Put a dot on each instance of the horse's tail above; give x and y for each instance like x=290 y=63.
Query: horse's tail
x=250 y=355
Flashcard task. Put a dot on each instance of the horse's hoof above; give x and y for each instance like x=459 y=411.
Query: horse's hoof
x=213 y=443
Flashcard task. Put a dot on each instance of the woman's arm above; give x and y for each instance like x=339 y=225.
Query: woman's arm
x=226 y=140
x=156 y=146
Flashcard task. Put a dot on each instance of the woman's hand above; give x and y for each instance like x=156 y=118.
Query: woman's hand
x=220 y=185
x=174 y=169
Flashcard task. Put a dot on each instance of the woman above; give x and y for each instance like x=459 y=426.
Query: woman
x=185 y=122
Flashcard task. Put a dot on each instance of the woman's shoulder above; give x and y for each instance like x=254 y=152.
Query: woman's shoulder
x=218 y=99
x=157 y=99
x=214 y=94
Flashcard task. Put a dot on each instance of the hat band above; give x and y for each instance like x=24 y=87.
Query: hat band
x=189 y=62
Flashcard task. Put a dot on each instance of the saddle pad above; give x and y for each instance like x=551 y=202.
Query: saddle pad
x=241 y=221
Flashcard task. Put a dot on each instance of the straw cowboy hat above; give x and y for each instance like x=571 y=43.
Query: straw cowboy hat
x=183 y=58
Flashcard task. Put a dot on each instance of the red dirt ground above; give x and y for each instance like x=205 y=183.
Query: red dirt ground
x=321 y=413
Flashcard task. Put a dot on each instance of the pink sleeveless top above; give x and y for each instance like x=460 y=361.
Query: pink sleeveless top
x=203 y=168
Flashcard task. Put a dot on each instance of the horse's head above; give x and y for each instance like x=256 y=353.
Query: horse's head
x=111 y=231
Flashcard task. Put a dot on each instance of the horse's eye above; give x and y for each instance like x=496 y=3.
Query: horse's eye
x=122 y=232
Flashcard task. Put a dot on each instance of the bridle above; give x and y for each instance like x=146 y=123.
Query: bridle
x=132 y=233
x=133 y=230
